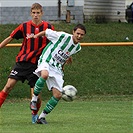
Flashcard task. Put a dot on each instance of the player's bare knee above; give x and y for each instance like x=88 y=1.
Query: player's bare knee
x=57 y=95
x=44 y=74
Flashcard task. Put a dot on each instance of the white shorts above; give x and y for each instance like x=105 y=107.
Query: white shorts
x=55 y=78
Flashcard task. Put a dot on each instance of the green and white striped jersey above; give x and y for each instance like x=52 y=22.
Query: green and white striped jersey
x=60 y=48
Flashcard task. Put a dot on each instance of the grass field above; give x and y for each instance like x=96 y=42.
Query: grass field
x=102 y=75
x=89 y=116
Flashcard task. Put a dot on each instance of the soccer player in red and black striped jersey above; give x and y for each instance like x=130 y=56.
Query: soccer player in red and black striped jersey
x=27 y=58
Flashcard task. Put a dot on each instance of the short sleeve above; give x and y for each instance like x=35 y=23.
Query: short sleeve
x=52 y=35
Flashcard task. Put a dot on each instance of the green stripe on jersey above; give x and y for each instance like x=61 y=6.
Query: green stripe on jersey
x=55 y=45
x=44 y=50
x=78 y=47
x=65 y=43
x=70 y=49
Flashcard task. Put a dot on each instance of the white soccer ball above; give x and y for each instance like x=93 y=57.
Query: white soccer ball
x=69 y=93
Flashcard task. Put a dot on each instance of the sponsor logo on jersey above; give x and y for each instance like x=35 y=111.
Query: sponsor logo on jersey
x=61 y=57
x=29 y=35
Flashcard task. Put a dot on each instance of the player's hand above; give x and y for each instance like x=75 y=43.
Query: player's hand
x=31 y=36
x=69 y=60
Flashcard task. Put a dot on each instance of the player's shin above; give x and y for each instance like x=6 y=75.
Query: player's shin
x=51 y=104
x=3 y=96
x=39 y=85
x=34 y=112
x=49 y=107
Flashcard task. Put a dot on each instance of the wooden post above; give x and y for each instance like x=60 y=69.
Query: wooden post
x=59 y=8
x=68 y=16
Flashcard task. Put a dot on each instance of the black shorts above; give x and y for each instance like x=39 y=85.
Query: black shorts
x=24 y=71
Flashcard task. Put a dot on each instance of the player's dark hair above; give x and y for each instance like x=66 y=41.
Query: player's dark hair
x=36 y=6
x=80 y=26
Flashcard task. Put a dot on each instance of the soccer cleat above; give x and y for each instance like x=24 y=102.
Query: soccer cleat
x=33 y=105
x=41 y=121
x=34 y=118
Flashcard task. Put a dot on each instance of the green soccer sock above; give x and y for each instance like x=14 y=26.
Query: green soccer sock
x=51 y=104
x=39 y=85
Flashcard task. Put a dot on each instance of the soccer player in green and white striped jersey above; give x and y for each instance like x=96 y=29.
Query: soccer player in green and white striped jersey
x=50 y=65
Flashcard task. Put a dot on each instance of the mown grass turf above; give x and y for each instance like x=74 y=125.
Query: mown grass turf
x=89 y=116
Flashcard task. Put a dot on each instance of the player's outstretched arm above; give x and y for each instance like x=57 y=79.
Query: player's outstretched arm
x=42 y=33
x=6 y=41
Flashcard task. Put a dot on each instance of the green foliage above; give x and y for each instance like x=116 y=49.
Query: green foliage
x=96 y=70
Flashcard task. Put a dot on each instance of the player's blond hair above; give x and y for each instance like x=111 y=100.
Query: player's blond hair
x=36 y=6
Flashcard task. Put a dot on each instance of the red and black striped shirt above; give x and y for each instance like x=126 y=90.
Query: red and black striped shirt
x=31 y=49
